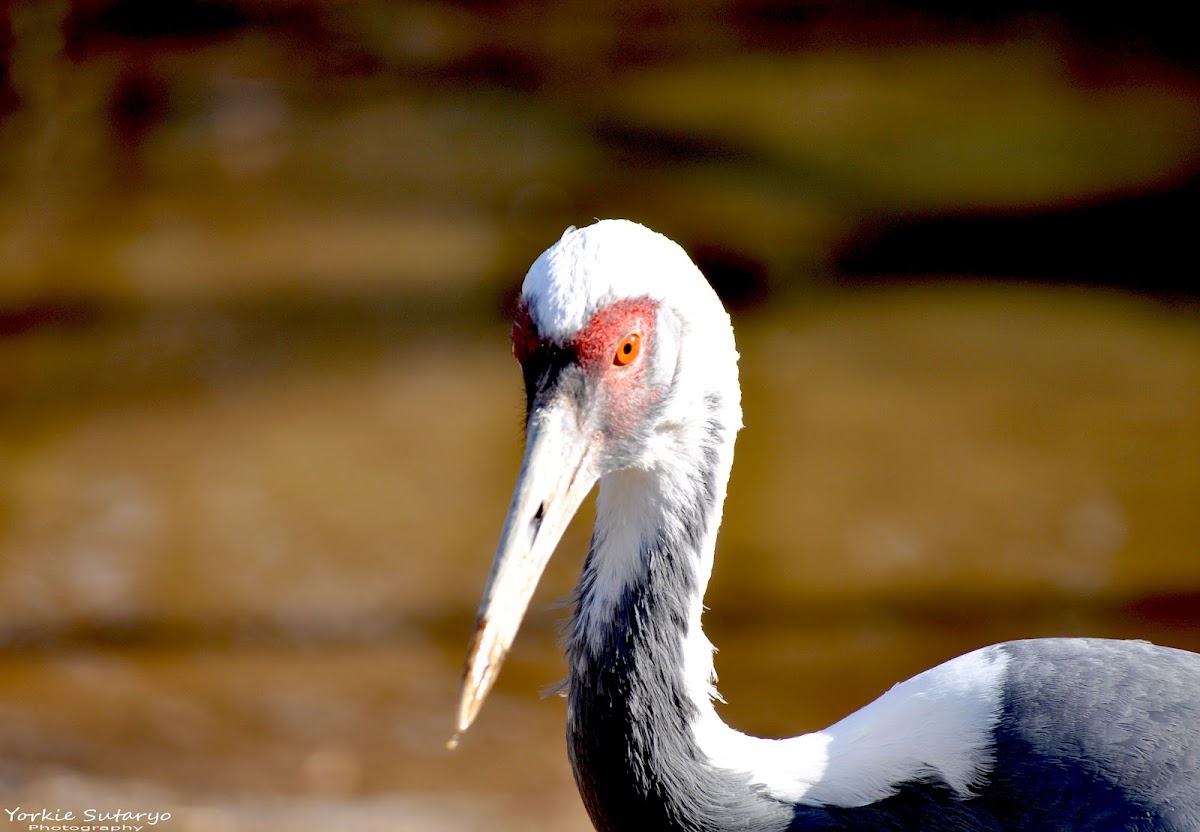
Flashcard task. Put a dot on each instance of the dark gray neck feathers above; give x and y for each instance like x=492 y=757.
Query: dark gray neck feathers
x=635 y=759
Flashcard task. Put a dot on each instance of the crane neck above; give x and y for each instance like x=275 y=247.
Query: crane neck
x=655 y=531
x=641 y=674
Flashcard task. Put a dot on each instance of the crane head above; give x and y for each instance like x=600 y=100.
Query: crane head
x=605 y=319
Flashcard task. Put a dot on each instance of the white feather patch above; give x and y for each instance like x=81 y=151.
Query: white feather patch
x=589 y=268
x=938 y=723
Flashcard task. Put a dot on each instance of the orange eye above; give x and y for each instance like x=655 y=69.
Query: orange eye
x=628 y=350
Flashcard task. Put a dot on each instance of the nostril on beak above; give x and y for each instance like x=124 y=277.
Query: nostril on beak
x=536 y=523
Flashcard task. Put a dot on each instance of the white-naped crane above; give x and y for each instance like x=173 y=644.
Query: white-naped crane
x=631 y=380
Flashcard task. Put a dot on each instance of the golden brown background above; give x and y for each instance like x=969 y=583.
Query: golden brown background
x=259 y=423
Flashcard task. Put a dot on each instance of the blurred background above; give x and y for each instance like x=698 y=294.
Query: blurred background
x=259 y=421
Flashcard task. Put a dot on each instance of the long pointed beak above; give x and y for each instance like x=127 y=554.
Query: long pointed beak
x=558 y=471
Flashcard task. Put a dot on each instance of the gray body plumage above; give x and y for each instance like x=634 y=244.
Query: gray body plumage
x=1098 y=735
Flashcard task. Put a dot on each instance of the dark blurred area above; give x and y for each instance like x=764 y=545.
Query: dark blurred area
x=258 y=420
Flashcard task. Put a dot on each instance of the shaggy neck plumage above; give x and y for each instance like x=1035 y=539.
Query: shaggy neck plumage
x=640 y=668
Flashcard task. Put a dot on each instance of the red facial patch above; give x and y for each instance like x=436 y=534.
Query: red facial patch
x=600 y=345
x=623 y=395
x=524 y=334
x=597 y=342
